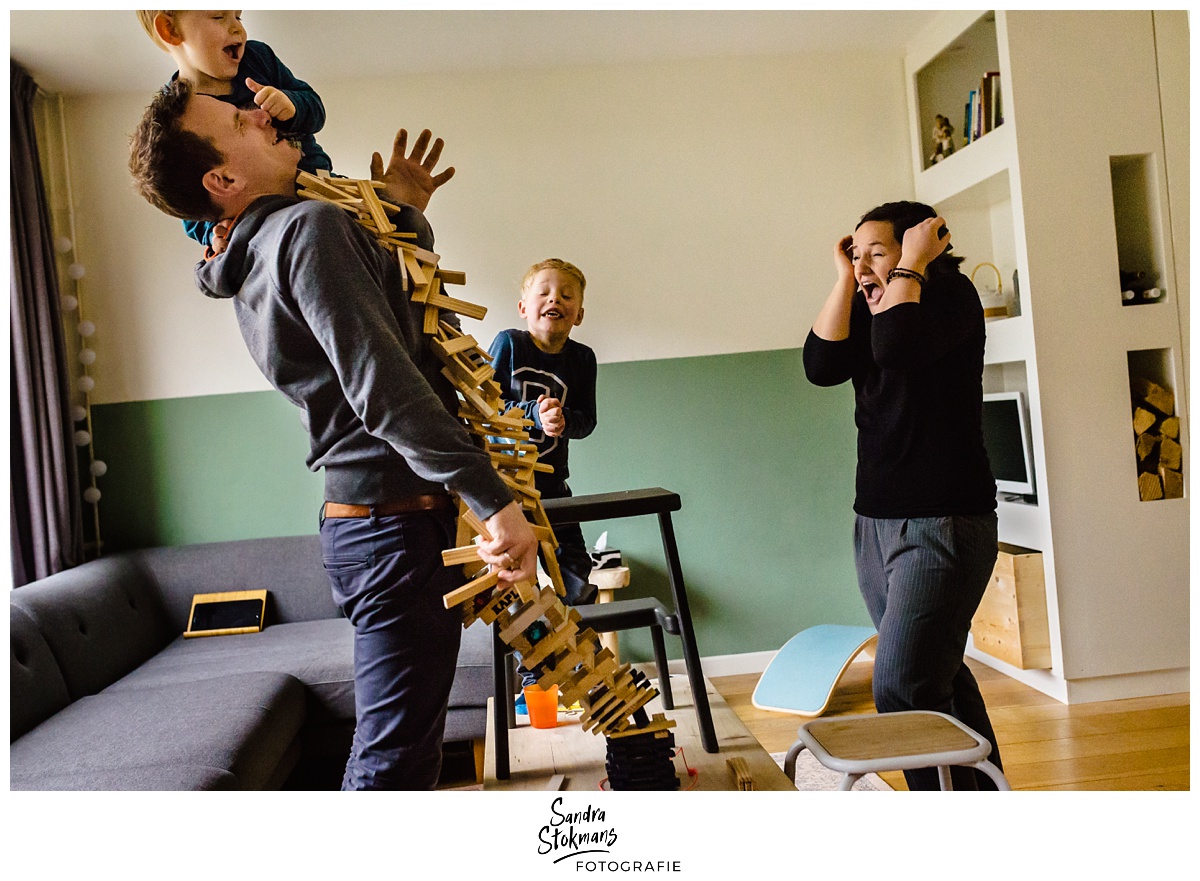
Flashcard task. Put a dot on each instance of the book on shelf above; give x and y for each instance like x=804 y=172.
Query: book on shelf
x=979 y=131
x=968 y=116
x=982 y=112
x=985 y=92
x=997 y=116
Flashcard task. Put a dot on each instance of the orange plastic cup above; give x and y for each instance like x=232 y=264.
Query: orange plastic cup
x=542 y=706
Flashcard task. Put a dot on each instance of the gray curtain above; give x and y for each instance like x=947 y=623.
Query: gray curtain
x=44 y=493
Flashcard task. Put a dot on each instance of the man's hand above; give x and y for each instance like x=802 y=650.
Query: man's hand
x=272 y=100
x=411 y=181
x=512 y=548
x=550 y=412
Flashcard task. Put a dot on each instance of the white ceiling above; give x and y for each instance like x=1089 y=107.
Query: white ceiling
x=90 y=52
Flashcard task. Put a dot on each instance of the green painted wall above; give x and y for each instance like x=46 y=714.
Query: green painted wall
x=763 y=461
x=764 y=464
x=213 y=468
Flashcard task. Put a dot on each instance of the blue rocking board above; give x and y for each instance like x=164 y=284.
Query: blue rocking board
x=801 y=677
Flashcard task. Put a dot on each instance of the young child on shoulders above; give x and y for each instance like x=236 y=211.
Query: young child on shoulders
x=215 y=58
x=552 y=378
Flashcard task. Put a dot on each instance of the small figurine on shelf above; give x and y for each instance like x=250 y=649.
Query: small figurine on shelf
x=943 y=141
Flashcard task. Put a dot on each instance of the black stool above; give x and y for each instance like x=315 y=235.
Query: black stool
x=619 y=614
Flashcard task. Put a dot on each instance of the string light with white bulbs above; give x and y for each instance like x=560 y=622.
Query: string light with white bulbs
x=72 y=302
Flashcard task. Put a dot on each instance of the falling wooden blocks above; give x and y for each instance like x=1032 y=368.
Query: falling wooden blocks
x=565 y=653
x=461 y=556
x=358 y=197
x=468 y=590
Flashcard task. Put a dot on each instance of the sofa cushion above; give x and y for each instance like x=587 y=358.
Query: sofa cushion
x=318 y=653
x=465 y=723
x=148 y=778
x=245 y=725
x=37 y=689
x=289 y=568
x=473 y=678
x=100 y=620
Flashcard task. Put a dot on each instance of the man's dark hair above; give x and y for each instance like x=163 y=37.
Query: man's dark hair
x=168 y=163
x=905 y=215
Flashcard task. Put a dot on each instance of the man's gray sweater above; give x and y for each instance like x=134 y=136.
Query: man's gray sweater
x=321 y=307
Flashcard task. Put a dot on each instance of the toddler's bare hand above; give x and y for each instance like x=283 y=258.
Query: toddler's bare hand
x=272 y=100
x=219 y=238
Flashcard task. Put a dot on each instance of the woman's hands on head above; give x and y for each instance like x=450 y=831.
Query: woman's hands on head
x=841 y=257
x=924 y=243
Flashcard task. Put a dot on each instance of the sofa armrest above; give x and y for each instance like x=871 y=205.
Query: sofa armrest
x=37 y=689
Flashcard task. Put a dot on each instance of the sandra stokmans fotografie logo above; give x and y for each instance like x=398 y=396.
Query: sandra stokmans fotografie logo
x=585 y=838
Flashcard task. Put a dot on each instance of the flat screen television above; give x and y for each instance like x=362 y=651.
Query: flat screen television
x=1007 y=439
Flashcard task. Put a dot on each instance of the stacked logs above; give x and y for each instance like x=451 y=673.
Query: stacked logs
x=1156 y=434
x=531 y=619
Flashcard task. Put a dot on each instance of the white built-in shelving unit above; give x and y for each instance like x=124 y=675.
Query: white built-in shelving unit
x=1087 y=176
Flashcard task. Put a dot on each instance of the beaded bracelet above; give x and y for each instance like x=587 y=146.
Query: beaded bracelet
x=899 y=272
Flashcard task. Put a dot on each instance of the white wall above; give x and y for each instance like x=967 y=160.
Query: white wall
x=700 y=198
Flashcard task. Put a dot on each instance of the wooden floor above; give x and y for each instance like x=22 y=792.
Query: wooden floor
x=1141 y=743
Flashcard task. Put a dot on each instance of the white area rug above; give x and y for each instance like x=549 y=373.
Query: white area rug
x=811 y=775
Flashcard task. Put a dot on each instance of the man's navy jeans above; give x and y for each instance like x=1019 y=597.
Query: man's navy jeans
x=387 y=576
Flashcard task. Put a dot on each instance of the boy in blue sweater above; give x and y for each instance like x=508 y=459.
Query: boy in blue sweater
x=552 y=378
x=216 y=59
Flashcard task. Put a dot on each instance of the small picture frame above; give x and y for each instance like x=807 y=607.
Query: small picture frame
x=221 y=614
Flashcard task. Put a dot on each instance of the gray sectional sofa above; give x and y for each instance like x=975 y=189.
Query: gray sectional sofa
x=107 y=694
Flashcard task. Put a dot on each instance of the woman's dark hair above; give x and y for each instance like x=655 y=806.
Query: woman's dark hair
x=905 y=215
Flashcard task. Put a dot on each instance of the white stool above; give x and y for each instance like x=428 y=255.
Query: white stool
x=858 y=745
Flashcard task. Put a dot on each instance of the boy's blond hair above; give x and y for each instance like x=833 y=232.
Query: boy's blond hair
x=554 y=263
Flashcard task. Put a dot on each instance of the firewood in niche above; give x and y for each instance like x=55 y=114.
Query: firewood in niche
x=1150 y=488
x=1143 y=420
x=1172 y=482
x=1153 y=395
x=1147 y=443
x=1170 y=455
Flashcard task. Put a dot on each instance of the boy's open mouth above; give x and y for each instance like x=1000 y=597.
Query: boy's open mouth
x=552 y=313
x=234 y=51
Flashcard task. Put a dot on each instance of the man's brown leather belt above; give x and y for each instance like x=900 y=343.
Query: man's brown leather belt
x=438 y=502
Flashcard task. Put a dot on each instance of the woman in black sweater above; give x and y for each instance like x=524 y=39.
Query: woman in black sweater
x=905 y=326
